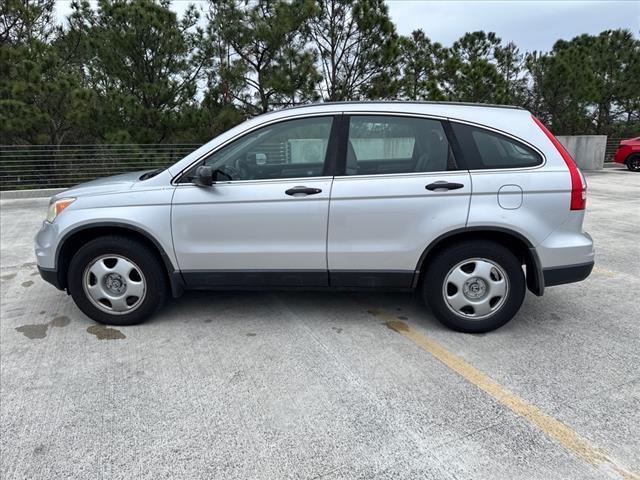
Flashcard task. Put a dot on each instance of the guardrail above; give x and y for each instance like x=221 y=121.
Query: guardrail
x=25 y=167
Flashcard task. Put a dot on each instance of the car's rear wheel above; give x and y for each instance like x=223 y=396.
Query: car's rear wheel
x=633 y=163
x=474 y=286
x=117 y=280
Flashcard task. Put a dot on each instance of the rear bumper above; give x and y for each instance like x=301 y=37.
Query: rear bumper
x=569 y=274
x=567 y=245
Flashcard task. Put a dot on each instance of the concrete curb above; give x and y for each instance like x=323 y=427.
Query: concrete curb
x=39 y=193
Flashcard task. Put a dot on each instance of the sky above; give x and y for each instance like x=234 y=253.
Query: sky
x=530 y=24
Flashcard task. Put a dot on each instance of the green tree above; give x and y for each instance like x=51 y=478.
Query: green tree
x=590 y=84
x=421 y=63
x=536 y=67
x=470 y=69
x=41 y=97
x=142 y=63
x=23 y=21
x=132 y=71
x=513 y=82
x=358 y=48
x=42 y=100
x=615 y=65
x=561 y=85
x=259 y=53
x=208 y=119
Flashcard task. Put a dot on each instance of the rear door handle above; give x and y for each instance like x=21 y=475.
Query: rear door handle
x=302 y=191
x=442 y=185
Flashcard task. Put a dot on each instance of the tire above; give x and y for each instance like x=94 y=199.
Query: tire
x=474 y=306
x=633 y=162
x=117 y=280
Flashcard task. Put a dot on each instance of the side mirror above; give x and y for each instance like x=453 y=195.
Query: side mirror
x=204 y=176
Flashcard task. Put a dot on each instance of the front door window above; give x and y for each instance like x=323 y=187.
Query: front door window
x=290 y=149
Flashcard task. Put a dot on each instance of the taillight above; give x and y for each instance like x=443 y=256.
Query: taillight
x=578 y=182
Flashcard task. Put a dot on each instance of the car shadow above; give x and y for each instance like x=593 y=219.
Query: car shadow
x=207 y=306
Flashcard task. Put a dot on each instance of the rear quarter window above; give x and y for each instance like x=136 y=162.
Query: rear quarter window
x=486 y=149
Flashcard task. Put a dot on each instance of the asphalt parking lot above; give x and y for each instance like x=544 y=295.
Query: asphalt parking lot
x=317 y=385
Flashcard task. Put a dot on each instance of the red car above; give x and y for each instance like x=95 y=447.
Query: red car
x=628 y=154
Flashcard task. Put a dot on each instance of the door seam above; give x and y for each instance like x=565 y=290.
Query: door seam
x=326 y=242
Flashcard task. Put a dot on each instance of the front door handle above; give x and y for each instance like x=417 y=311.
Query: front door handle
x=442 y=185
x=302 y=191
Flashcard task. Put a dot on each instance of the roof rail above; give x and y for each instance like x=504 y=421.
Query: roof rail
x=410 y=102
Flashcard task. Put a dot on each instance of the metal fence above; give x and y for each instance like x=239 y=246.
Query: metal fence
x=45 y=166
x=612 y=146
x=24 y=167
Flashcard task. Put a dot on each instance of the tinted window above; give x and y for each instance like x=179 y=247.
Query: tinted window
x=295 y=148
x=386 y=144
x=486 y=149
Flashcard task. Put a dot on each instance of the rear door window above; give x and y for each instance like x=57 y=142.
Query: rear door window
x=485 y=149
x=380 y=145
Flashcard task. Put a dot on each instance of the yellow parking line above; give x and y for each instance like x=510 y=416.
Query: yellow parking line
x=549 y=425
x=604 y=271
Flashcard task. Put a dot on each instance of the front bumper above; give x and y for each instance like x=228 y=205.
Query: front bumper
x=45 y=250
x=621 y=154
x=50 y=276
x=566 y=274
x=46 y=243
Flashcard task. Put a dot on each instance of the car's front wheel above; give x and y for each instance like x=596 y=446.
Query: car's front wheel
x=474 y=286
x=117 y=280
x=633 y=163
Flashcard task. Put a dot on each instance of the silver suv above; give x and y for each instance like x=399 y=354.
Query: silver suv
x=470 y=205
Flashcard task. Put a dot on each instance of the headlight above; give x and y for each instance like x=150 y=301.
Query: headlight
x=55 y=208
